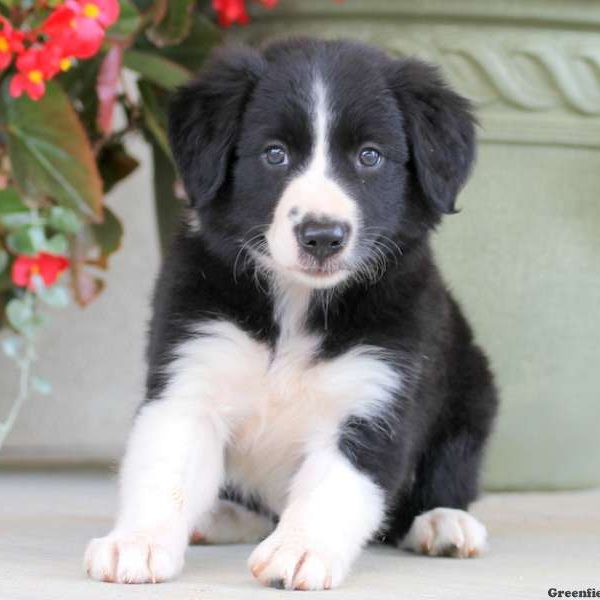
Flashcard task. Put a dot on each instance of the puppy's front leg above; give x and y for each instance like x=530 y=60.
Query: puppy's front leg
x=170 y=474
x=332 y=511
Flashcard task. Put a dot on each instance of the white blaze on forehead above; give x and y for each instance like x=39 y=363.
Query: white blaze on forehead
x=320 y=124
x=314 y=191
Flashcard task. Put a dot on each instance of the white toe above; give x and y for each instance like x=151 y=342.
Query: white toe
x=446 y=532
x=135 y=558
x=294 y=563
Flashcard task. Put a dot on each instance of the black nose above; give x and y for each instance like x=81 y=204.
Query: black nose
x=322 y=239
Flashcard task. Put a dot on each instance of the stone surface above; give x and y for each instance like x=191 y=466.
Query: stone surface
x=538 y=541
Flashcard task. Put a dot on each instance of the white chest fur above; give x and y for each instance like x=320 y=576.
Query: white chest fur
x=275 y=404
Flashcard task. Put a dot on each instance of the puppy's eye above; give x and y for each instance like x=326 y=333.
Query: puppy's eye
x=276 y=155
x=369 y=157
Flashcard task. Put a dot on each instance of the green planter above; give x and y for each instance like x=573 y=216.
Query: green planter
x=524 y=254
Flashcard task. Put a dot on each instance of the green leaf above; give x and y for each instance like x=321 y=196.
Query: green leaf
x=168 y=206
x=3 y=260
x=193 y=50
x=10 y=202
x=11 y=346
x=80 y=84
x=19 y=314
x=175 y=25
x=115 y=164
x=109 y=233
x=57 y=244
x=41 y=385
x=154 y=112
x=19 y=242
x=128 y=23
x=55 y=295
x=27 y=240
x=144 y=5
x=50 y=152
x=157 y=69
x=6 y=284
x=64 y=220
x=14 y=213
x=17 y=220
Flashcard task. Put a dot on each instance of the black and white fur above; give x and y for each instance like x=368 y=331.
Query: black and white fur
x=316 y=394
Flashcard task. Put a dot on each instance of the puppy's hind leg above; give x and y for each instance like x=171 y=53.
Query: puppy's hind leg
x=231 y=523
x=432 y=518
x=435 y=512
x=446 y=532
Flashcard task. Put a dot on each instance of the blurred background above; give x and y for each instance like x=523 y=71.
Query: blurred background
x=523 y=255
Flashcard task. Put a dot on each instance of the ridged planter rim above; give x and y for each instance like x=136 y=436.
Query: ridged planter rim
x=531 y=67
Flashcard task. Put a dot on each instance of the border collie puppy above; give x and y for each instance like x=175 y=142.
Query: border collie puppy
x=312 y=383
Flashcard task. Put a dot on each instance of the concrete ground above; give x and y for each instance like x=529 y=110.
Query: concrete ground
x=538 y=541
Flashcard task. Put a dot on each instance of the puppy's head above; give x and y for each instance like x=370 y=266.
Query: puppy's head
x=319 y=160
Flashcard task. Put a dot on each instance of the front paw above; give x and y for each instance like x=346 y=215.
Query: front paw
x=133 y=558
x=293 y=562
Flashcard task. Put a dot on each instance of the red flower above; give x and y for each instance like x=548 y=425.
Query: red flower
x=75 y=29
x=35 y=66
x=231 y=11
x=234 y=11
x=10 y=41
x=78 y=26
x=48 y=266
x=105 y=12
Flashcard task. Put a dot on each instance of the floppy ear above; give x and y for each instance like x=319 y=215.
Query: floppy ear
x=204 y=120
x=440 y=131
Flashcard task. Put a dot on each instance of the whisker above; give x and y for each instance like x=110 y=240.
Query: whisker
x=245 y=249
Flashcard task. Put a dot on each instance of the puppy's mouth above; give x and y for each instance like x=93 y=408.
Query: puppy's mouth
x=319 y=275
x=319 y=271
